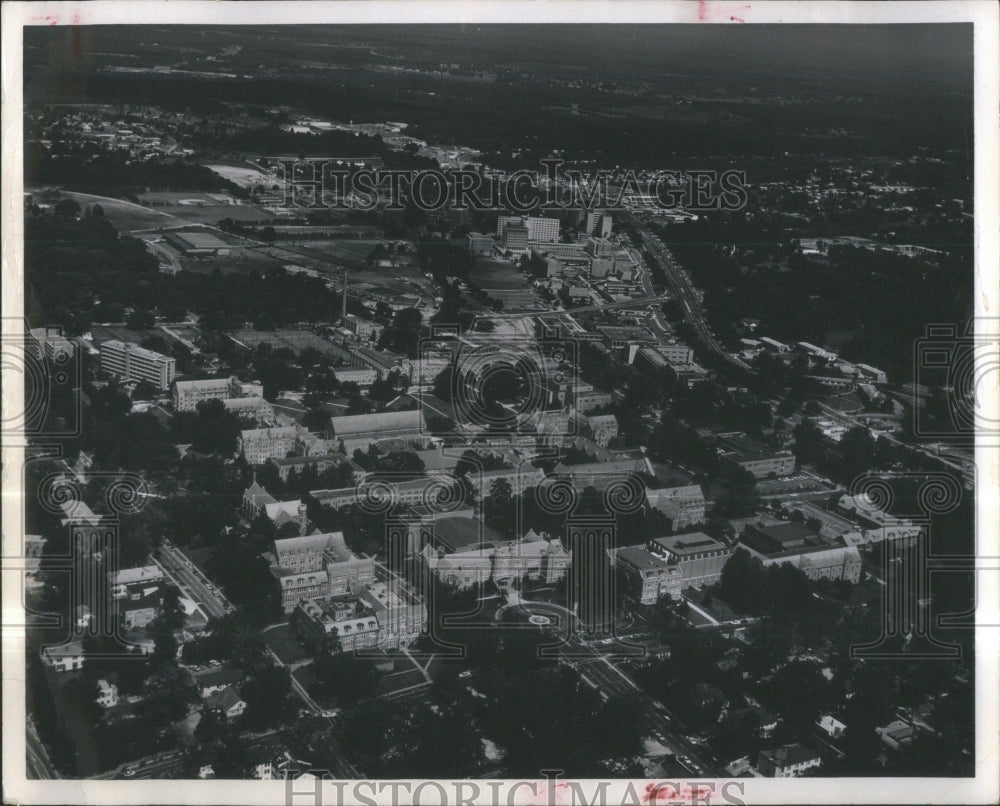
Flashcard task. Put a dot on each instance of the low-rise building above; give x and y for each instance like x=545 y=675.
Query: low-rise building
x=120 y=582
x=361 y=430
x=227 y=703
x=66 y=657
x=212 y=681
x=737 y=450
x=107 y=694
x=787 y=542
x=321 y=463
x=788 y=761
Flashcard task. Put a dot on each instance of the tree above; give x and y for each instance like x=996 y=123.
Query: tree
x=169 y=619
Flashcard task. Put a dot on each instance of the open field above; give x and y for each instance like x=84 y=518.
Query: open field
x=296 y=340
x=496 y=274
x=203 y=208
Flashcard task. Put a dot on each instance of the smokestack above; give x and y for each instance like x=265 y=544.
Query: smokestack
x=343 y=313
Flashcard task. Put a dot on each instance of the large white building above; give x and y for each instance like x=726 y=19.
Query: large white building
x=188 y=394
x=131 y=362
x=541 y=230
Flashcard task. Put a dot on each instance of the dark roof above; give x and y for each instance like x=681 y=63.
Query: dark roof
x=218 y=677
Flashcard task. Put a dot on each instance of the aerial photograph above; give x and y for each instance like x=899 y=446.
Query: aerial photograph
x=476 y=401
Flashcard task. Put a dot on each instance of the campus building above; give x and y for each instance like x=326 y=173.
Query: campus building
x=737 y=450
x=130 y=362
x=647 y=576
x=700 y=558
x=787 y=542
x=188 y=394
x=361 y=430
x=261 y=444
x=317 y=566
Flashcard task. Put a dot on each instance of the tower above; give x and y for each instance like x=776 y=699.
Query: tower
x=343 y=301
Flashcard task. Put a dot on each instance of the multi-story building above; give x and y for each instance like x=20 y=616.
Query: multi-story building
x=599 y=223
x=470 y=553
x=599 y=247
x=364 y=377
x=538 y=230
x=587 y=398
x=188 y=394
x=778 y=542
x=871 y=373
x=649 y=576
x=788 y=761
x=601 y=428
x=322 y=463
x=700 y=558
x=515 y=238
x=876 y=524
x=479 y=244
x=64 y=657
x=131 y=362
x=599 y=474
x=738 y=450
x=254 y=409
x=684 y=506
x=317 y=566
x=261 y=444
x=378 y=615
x=544 y=230
x=50 y=343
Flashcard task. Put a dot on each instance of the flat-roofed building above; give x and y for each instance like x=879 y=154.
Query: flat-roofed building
x=122 y=580
x=738 y=450
x=479 y=244
x=649 y=576
x=131 y=362
x=701 y=558
x=871 y=373
x=198 y=244
x=786 y=542
x=515 y=238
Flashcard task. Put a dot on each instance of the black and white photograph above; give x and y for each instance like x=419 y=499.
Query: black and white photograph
x=532 y=404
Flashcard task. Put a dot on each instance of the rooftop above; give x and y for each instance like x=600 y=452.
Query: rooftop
x=691 y=543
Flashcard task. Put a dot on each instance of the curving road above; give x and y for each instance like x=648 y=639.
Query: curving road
x=681 y=284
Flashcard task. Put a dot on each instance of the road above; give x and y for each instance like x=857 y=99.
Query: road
x=600 y=671
x=39 y=765
x=686 y=294
x=192 y=581
x=968 y=473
